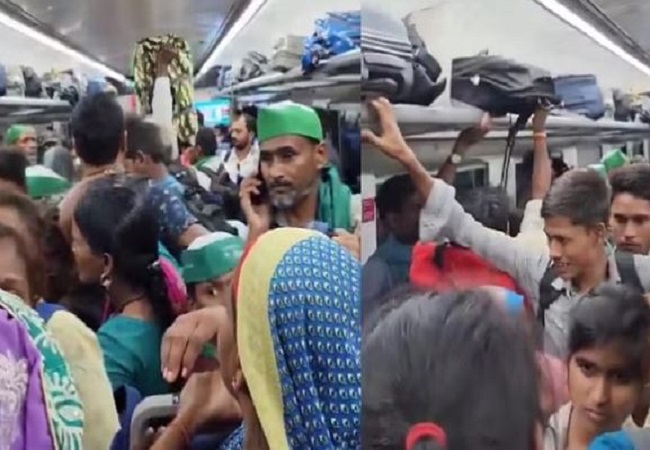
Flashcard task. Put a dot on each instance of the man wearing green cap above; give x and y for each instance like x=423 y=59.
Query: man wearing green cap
x=208 y=265
x=296 y=186
x=23 y=137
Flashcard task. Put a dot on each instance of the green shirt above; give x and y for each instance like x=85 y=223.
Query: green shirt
x=132 y=354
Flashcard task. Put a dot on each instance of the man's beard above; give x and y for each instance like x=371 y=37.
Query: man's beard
x=290 y=197
x=240 y=145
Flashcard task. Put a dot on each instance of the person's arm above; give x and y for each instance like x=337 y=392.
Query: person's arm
x=177 y=224
x=468 y=138
x=542 y=168
x=162 y=102
x=542 y=176
x=443 y=216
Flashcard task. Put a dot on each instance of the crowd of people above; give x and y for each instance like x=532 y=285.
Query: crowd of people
x=505 y=334
x=218 y=291
x=223 y=283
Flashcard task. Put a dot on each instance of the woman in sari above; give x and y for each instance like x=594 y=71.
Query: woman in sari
x=39 y=404
x=289 y=347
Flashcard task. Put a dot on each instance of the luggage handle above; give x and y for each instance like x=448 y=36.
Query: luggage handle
x=519 y=125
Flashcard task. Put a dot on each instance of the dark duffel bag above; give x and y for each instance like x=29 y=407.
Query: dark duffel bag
x=500 y=86
x=580 y=94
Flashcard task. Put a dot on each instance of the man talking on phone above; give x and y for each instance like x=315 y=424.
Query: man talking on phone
x=296 y=186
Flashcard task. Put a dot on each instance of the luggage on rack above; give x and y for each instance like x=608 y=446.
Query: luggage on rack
x=580 y=94
x=253 y=65
x=33 y=83
x=3 y=80
x=500 y=86
x=96 y=85
x=181 y=72
x=287 y=53
x=15 y=81
x=336 y=34
x=626 y=106
x=397 y=63
x=65 y=85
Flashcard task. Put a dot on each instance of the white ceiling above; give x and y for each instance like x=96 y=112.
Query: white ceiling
x=18 y=49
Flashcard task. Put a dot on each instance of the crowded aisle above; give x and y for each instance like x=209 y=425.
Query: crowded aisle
x=312 y=226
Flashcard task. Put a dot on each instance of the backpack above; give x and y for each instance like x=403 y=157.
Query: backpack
x=548 y=294
x=207 y=207
x=445 y=267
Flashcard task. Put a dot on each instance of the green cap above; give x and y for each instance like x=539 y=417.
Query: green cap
x=614 y=159
x=211 y=256
x=288 y=118
x=15 y=132
x=43 y=182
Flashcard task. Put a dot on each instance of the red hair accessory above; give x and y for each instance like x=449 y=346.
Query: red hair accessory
x=426 y=430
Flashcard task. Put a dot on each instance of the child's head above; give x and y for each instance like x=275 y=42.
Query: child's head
x=608 y=356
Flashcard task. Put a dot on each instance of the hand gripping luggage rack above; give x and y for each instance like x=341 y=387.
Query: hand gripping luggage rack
x=443 y=123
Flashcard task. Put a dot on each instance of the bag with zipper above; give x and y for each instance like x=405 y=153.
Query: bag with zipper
x=181 y=71
x=502 y=86
x=33 y=83
x=581 y=94
x=397 y=63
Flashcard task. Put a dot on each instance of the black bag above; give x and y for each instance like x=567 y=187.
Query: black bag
x=33 y=83
x=396 y=62
x=500 y=86
x=205 y=206
x=421 y=54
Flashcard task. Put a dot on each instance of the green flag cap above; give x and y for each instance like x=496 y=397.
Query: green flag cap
x=211 y=256
x=288 y=118
x=44 y=182
x=15 y=132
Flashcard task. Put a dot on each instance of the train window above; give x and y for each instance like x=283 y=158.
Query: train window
x=471 y=176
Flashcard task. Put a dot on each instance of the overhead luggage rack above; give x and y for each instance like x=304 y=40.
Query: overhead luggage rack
x=33 y=110
x=323 y=86
x=443 y=123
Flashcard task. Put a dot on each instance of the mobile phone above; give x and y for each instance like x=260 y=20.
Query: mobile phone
x=263 y=195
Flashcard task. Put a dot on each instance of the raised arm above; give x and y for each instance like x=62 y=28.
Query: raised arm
x=443 y=216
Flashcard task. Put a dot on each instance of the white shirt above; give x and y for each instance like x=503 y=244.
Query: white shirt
x=238 y=169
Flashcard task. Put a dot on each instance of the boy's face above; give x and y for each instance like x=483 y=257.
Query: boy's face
x=630 y=223
x=574 y=249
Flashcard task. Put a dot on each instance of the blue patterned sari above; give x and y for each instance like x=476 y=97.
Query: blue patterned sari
x=298 y=336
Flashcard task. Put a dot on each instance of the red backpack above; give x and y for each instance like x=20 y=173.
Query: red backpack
x=445 y=267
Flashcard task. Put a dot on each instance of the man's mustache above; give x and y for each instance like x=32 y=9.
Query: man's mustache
x=280 y=184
